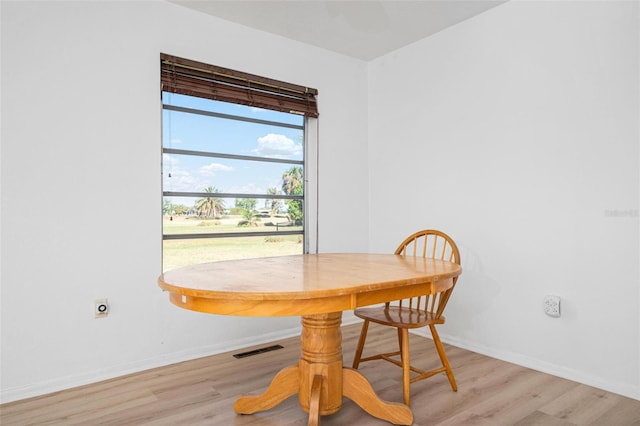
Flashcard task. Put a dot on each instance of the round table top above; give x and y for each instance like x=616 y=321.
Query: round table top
x=310 y=283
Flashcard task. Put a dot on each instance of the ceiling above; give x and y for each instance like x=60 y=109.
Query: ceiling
x=364 y=29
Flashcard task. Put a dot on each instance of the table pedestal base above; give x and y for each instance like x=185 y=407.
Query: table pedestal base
x=321 y=381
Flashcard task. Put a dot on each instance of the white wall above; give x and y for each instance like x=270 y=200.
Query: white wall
x=517 y=132
x=81 y=182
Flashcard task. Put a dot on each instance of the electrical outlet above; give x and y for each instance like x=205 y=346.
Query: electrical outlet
x=551 y=305
x=101 y=308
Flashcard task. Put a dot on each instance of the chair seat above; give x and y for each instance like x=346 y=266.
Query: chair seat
x=401 y=317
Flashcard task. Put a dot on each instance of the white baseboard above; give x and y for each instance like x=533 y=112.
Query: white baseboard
x=62 y=383
x=545 y=367
x=68 y=382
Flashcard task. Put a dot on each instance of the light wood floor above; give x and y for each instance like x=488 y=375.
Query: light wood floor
x=202 y=392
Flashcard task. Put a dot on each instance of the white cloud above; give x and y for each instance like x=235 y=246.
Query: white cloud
x=212 y=168
x=277 y=146
x=181 y=180
x=169 y=160
x=248 y=188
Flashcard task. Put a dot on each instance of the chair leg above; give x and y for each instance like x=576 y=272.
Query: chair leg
x=443 y=357
x=406 y=365
x=360 y=347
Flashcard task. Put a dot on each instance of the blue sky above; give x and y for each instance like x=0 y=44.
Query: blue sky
x=204 y=133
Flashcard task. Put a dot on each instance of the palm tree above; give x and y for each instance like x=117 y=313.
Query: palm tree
x=292 y=184
x=275 y=204
x=248 y=207
x=292 y=181
x=210 y=206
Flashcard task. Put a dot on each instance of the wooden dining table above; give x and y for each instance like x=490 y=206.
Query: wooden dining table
x=318 y=288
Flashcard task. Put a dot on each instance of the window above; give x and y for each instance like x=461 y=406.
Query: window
x=237 y=171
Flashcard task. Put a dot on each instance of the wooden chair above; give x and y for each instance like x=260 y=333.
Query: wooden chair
x=413 y=313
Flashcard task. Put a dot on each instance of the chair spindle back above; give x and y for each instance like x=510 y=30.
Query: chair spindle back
x=433 y=244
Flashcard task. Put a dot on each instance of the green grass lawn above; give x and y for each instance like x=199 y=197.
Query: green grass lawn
x=177 y=253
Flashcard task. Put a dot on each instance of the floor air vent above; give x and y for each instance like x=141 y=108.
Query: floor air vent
x=258 y=351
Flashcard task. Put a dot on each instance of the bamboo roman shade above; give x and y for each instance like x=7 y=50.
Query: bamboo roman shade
x=193 y=78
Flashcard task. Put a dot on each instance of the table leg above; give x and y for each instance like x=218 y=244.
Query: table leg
x=320 y=379
x=358 y=389
x=314 y=402
x=284 y=384
x=321 y=355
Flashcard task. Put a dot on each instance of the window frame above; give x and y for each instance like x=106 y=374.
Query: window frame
x=309 y=166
